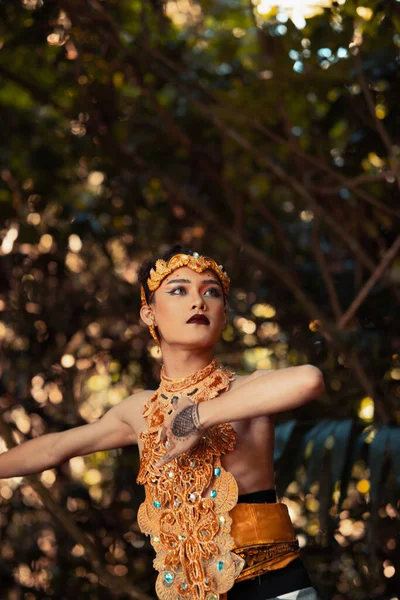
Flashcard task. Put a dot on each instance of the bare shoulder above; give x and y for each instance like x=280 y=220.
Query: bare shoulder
x=141 y=396
x=131 y=408
x=135 y=402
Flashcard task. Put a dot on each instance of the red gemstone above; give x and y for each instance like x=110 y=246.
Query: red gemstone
x=198 y=264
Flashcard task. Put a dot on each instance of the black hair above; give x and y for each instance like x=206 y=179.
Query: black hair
x=144 y=269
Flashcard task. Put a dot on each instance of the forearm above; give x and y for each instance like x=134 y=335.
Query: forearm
x=29 y=457
x=269 y=393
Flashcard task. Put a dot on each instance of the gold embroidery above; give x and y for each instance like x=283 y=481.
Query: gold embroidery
x=258 y=557
x=186 y=511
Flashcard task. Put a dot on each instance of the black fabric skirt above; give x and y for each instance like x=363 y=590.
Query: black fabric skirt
x=291 y=578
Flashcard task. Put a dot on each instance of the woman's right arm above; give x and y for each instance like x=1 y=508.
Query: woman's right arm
x=113 y=430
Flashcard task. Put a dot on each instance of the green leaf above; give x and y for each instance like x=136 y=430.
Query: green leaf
x=377 y=454
x=394 y=442
x=345 y=439
x=340 y=448
x=319 y=435
x=283 y=436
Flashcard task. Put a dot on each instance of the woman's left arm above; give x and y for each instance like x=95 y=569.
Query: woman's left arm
x=267 y=393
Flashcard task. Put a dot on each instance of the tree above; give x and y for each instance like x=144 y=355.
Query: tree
x=130 y=125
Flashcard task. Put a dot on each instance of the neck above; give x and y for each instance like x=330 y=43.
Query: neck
x=180 y=363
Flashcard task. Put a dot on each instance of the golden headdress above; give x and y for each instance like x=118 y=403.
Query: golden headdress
x=195 y=262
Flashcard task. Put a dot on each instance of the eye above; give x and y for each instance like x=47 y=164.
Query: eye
x=179 y=289
x=214 y=292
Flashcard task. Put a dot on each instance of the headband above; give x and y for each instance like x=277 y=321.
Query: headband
x=195 y=262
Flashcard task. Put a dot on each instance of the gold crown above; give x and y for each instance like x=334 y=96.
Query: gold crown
x=195 y=262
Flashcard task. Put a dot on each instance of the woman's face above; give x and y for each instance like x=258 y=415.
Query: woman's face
x=183 y=294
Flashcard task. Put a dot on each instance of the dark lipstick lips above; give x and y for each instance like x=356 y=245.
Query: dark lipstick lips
x=199 y=319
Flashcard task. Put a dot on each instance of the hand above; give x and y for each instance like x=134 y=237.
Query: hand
x=182 y=430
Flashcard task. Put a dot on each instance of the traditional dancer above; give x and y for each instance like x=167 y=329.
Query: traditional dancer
x=207 y=539
x=206 y=441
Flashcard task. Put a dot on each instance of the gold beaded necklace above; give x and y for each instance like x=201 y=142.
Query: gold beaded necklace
x=176 y=385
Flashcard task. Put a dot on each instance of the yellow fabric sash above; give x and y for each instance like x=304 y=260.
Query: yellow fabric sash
x=264 y=537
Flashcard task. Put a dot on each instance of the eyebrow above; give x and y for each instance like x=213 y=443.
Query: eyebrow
x=188 y=281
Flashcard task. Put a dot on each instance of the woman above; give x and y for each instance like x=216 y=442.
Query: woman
x=206 y=442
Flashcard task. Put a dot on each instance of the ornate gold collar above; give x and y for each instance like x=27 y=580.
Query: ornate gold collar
x=177 y=385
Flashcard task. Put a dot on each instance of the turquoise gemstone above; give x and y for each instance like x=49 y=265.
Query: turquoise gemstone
x=220 y=565
x=156 y=503
x=168 y=577
x=217 y=471
x=213 y=493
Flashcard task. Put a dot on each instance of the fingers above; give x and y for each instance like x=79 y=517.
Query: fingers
x=169 y=449
x=165 y=431
x=165 y=459
x=163 y=435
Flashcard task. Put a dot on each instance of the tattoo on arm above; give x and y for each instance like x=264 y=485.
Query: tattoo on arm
x=186 y=422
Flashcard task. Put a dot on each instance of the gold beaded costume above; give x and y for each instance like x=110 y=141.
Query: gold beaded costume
x=204 y=540
x=188 y=528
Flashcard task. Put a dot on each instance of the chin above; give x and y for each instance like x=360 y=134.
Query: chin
x=204 y=340
x=201 y=342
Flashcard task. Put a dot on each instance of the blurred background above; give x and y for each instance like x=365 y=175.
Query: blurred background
x=263 y=134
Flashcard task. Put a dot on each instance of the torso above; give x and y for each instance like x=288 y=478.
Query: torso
x=250 y=462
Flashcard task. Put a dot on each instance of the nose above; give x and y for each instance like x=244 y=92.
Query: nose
x=199 y=303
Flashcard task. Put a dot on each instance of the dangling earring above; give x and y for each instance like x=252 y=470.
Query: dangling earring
x=153 y=331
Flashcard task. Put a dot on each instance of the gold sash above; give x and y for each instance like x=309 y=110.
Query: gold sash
x=264 y=538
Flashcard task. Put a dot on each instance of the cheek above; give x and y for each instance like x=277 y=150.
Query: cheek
x=168 y=312
x=221 y=310
x=219 y=317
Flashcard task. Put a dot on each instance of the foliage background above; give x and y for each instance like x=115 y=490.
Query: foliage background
x=260 y=137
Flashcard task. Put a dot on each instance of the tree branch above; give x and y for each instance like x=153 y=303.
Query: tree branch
x=290 y=181
x=333 y=297
x=378 y=273
x=256 y=124
x=15 y=189
x=371 y=106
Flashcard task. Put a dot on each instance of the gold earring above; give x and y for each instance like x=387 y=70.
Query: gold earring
x=153 y=331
